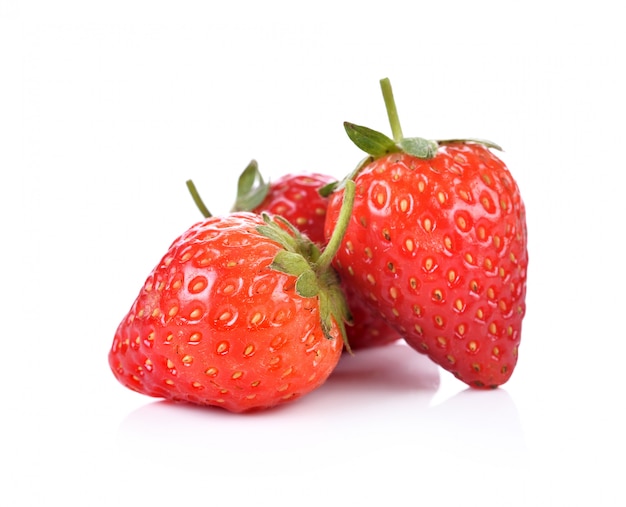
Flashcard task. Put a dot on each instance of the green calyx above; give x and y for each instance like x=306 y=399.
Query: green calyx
x=377 y=144
x=315 y=276
x=252 y=189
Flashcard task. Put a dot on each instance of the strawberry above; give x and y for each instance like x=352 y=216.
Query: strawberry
x=296 y=197
x=242 y=312
x=437 y=243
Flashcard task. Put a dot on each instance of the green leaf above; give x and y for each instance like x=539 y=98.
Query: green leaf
x=251 y=188
x=370 y=141
x=306 y=285
x=418 y=147
x=291 y=263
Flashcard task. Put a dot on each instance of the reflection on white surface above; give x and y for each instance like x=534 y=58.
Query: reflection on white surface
x=343 y=430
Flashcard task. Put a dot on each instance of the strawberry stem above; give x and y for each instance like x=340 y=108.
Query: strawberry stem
x=339 y=231
x=392 y=111
x=198 y=200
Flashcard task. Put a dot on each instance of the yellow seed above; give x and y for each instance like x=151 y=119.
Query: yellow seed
x=169 y=382
x=195 y=314
x=225 y=316
x=451 y=359
x=428 y=225
x=249 y=350
x=441 y=197
x=404 y=205
x=458 y=304
x=493 y=329
x=170 y=364
x=421 y=186
x=211 y=372
x=187 y=360
x=472 y=346
x=460 y=329
x=371 y=279
x=409 y=245
x=195 y=337
x=237 y=375
x=442 y=341
x=368 y=252
x=256 y=318
x=393 y=292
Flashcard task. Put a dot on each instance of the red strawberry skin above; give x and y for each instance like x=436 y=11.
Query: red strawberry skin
x=214 y=324
x=296 y=198
x=439 y=247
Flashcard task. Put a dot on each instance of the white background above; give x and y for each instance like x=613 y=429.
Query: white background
x=106 y=108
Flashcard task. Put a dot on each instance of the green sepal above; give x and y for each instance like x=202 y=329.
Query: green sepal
x=291 y=263
x=370 y=141
x=252 y=189
x=418 y=147
x=307 y=285
x=328 y=189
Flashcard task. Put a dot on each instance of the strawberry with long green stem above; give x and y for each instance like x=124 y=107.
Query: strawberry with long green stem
x=437 y=243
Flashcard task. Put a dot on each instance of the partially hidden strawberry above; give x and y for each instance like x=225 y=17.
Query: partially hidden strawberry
x=297 y=198
x=242 y=312
x=293 y=196
x=437 y=243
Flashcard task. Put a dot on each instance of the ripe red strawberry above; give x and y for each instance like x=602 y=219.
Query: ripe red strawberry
x=241 y=312
x=437 y=243
x=297 y=198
